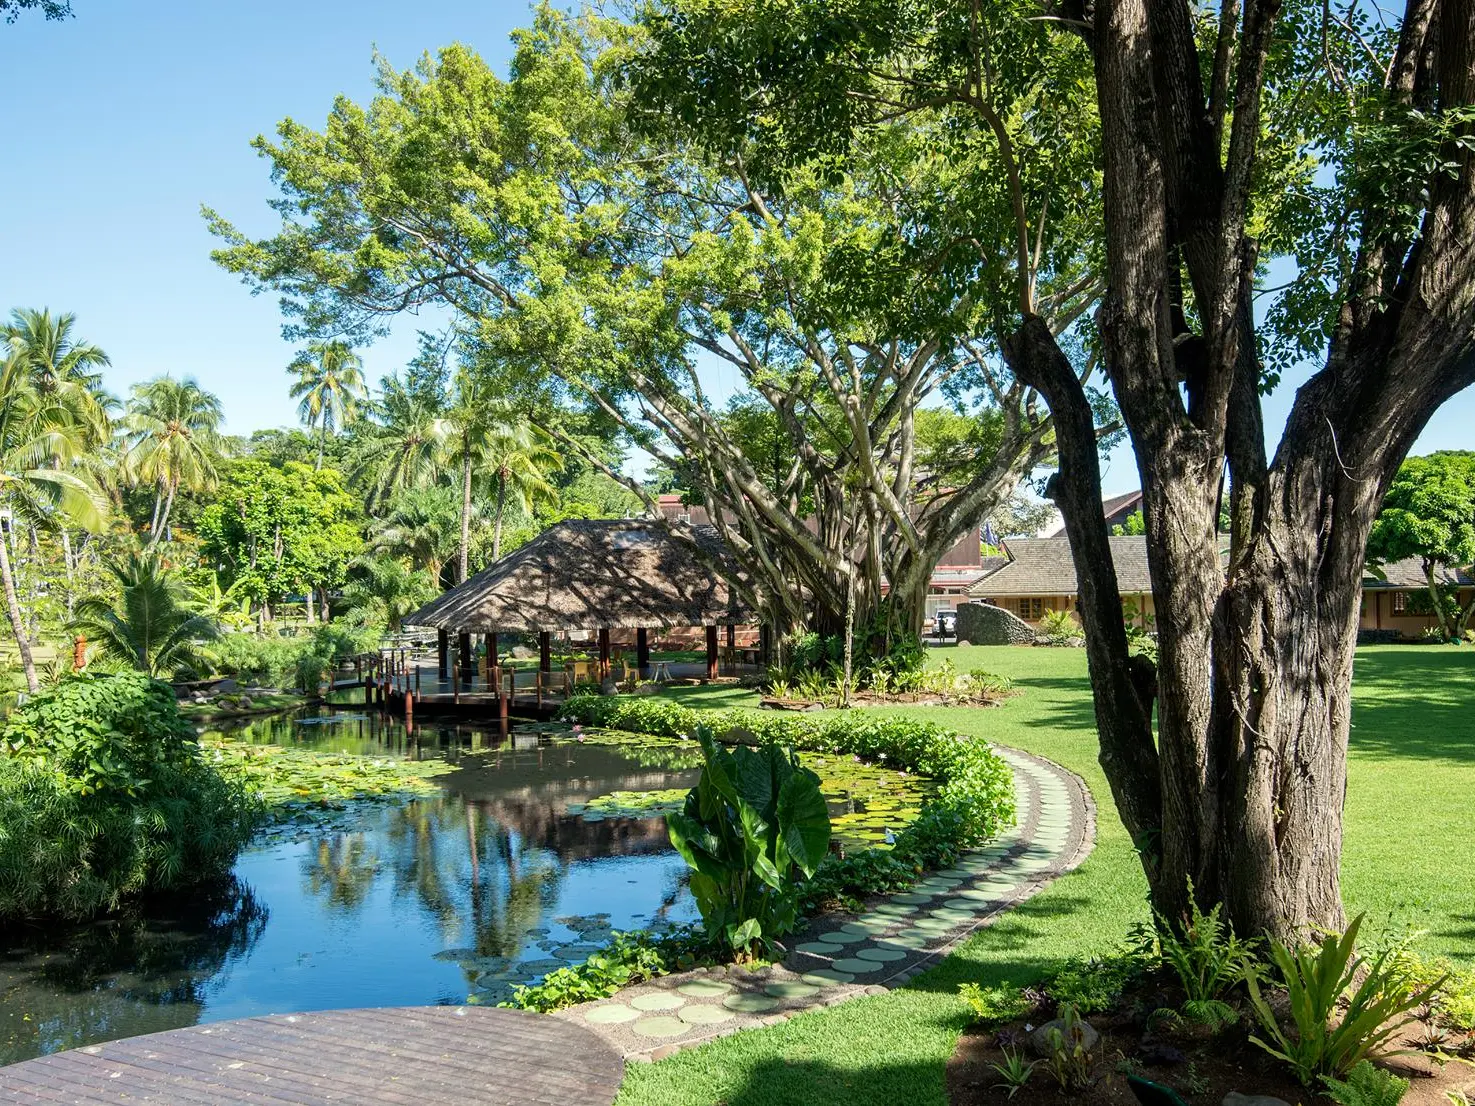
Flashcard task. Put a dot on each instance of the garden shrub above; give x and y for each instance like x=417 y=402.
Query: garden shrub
x=104 y=795
x=628 y=958
x=298 y=662
x=754 y=823
x=973 y=802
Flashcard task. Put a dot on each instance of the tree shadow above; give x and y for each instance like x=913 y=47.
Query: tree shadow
x=1414 y=701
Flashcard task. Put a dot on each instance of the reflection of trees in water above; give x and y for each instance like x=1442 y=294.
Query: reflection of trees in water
x=342 y=870
x=134 y=973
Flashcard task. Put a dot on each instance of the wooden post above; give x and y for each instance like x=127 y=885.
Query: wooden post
x=369 y=688
x=443 y=647
x=492 y=651
x=417 y=679
x=732 y=647
x=455 y=684
x=642 y=652
x=545 y=652
x=539 y=686
x=604 y=653
x=765 y=644
x=504 y=697
x=468 y=670
x=711 y=652
x=409 y=709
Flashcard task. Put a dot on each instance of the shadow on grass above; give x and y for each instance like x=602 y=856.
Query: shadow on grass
x=1414 y=701
x=788 y=1082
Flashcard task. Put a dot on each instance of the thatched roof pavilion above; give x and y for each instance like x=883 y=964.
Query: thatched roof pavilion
x=599 y=574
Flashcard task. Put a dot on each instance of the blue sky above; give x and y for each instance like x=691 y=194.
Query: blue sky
x=121 y=122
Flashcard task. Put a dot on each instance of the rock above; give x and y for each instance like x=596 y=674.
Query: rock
x=1039 y=1043
x=522 y=653
x=245 y=702
x=1159 y=1055
x=963 y=642
x=1234 y=1098
x=226 y=686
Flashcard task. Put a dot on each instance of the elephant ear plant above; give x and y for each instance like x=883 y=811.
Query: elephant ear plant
x=753 y=826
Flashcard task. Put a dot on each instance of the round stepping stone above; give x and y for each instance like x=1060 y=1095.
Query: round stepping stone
x=973 y=895
x=911 y=898
x=894 y=910
x=819 y=948
x=856 y=966
x=613 y=1014
x=750 y=1003
x=657 y=1000
x=936 y=886
x=952 y=917
x=841 y=937
x=659 y=1027
x=880 y=955
x=827 y=977
x=872 y=927
x=934 y=925
x=791 y=988
x=964 y=906
x=705 y=1015
x=704 y=988
x=912 y=939
x=954 y=873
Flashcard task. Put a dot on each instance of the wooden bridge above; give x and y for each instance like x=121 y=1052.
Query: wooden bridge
x=412 y=1056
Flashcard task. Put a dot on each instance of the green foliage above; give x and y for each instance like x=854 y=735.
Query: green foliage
x=289 y=781
x=1061 y=628
x=103 y=795
x=1316 y=980
x=1096 y=984
x=628 y=958
x=150 y=625
x=1135 y=524
x=754 y=819
x=1067 y=1060
x=1014 y=1071
x=1366 y=1085
x=1203 y=951
x=290 y=662
x=991 y=1005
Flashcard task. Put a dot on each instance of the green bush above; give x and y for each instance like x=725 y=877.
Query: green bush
x=104 y=795
x=754 y=819
x=973 y=802
x=628 y=958
x=1382 y=996
x=298 y=662
x=1366 y=1085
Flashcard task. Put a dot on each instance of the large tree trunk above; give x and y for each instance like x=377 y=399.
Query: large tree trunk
x=17 y=621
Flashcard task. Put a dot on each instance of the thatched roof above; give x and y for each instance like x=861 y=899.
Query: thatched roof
x=594 y=573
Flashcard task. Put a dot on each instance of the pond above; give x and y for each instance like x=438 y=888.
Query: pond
x=531 y=852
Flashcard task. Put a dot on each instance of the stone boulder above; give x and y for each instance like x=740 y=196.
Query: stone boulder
x=985 y=624
x=1234 y=1098
x=1039 y=1038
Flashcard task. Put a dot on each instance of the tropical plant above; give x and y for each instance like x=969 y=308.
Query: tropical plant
x=520 y=459
x=330 y=386
x=381 y=591
x=1066 y=1055
x=150 y=624
x=103 y=795
x=419 y=526
x=62 y=365
x=1317 y=979
x=1000 y=1003
x=1366 y=1085
x=401 y=447
x=755 y=818
x=173 y=442
x=1207 y=958
x=1061 y=628
x=1014 y=1071
x=38 y=438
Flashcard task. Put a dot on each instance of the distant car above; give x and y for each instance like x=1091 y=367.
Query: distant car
x=947 y=623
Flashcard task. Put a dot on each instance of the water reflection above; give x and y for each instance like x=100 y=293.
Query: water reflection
x=490 y=883
x=130 y=975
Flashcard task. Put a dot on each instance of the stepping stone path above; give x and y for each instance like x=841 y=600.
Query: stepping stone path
x=839 y=957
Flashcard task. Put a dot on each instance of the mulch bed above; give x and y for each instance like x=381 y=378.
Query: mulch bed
x=1202 y=1068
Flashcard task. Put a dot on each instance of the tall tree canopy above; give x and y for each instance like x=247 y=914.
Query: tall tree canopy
x=1227 y=136
x=605 y=267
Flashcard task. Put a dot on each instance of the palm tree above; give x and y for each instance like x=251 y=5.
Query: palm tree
x=474 y=421
x=173 y=442
x=404 y=446
x=330 y=384
x=64 y=370
x=420 y=527
x=150 y=624
x=384 y=590
x=520 y=459
x=39 y=438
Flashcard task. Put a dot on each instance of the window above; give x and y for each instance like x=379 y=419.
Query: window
x=1400 y=602
x=1032 y=610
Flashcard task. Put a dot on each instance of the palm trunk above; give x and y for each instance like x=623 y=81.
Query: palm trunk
x=465 y=516
x=322 y=443
x=67 y=559
x=163 y=521
x=17 y=623
x=497 y=529
x=158 y=506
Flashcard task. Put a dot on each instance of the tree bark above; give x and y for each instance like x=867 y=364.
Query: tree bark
x=17 y=621
x=163 y=523
x=67 y=560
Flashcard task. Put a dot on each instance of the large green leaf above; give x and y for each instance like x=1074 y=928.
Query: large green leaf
x=804 y=820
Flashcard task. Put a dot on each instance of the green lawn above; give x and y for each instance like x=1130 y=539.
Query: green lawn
x=1411 y=776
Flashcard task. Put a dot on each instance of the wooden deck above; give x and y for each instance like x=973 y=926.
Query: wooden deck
x=411 y=1055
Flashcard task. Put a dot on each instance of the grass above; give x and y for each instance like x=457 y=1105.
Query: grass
x=1404 y=860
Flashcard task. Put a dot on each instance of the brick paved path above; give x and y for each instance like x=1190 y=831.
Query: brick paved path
x=895 y=938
